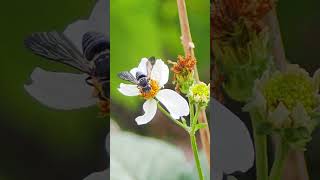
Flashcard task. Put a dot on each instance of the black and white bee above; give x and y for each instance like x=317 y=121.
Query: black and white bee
x=140 y=79
x=84 y=45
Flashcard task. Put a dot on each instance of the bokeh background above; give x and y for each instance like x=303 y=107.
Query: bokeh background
x=38 y=142
x=151 y=28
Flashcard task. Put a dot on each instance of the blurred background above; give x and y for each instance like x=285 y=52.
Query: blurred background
x=38 y=142
x=300 y=27
x=151 y=28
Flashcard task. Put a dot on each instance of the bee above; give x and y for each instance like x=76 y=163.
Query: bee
x=93 y=61
x=140 y=79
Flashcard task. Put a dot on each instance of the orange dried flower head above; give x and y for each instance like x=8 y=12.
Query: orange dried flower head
x=183 y=73
x=184 y=64
x=227 y=16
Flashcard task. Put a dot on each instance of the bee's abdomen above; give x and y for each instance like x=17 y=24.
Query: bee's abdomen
x=94 y=43
x=102 y=65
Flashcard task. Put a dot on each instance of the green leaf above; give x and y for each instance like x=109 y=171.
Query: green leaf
x=134 y=157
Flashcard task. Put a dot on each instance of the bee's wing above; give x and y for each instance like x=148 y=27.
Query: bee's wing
x=55 y=46
x=59 y=90
x=125 y=75
x=149 y=68
x=232 y=143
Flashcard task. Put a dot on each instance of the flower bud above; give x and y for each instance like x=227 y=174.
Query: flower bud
x=200 y=94
x=289 y=102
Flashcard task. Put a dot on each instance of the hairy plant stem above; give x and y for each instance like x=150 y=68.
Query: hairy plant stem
x=188 y=50
x=278 y=164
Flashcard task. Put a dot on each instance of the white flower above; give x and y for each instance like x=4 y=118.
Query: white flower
x=173 y=102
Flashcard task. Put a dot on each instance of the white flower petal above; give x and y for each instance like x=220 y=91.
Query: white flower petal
x=279 y=115
x=150 y=109
x=134 y=71
x=174 y=103
x=60 y=90
x=160 y=72
x=142 y=67
x=129 y=89
x=231 y=140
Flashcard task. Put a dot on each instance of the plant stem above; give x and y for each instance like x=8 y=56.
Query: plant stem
x=278 y=165
x=191 y=110
x=260 y=143
x=173 y=120
x=186 y=39
x=196 y=155
x=192 y=137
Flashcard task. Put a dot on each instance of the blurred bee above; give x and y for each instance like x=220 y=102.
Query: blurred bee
x=140 y=79
x=94 y=61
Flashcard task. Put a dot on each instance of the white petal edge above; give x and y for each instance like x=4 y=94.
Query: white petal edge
x=150 y=109
x=142 y=67
x=174 y=103
x=102 y=175
x=129 y=89
x=160 y=72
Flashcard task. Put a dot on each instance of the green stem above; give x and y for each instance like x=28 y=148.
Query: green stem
x=195 y=118
x=280 y=157
x=191 y=109
x=260 y=142
x=196 y=155
x=173 y=120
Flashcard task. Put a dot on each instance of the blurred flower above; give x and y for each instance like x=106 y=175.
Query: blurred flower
x=67 y=91
x=233 y=18
x=288 y=104
x=183 y=71
x=240 y=66
x=174 y=103
x=200 y=94
x=240 y=44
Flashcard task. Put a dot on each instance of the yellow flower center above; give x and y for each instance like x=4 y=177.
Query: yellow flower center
x=153 y=91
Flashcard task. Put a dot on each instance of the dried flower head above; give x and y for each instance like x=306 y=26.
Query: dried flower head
x=232 y=17
x=184 y=65
x=183 y=71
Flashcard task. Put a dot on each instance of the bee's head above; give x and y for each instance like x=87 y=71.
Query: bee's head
x=140 y=75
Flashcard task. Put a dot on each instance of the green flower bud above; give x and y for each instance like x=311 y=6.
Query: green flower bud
x=200 y=94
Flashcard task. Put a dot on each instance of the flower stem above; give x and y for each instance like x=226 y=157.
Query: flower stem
x=173 y=120
x=260 y=143
x=186 y=39
x=278 y=165
x=196 y=155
